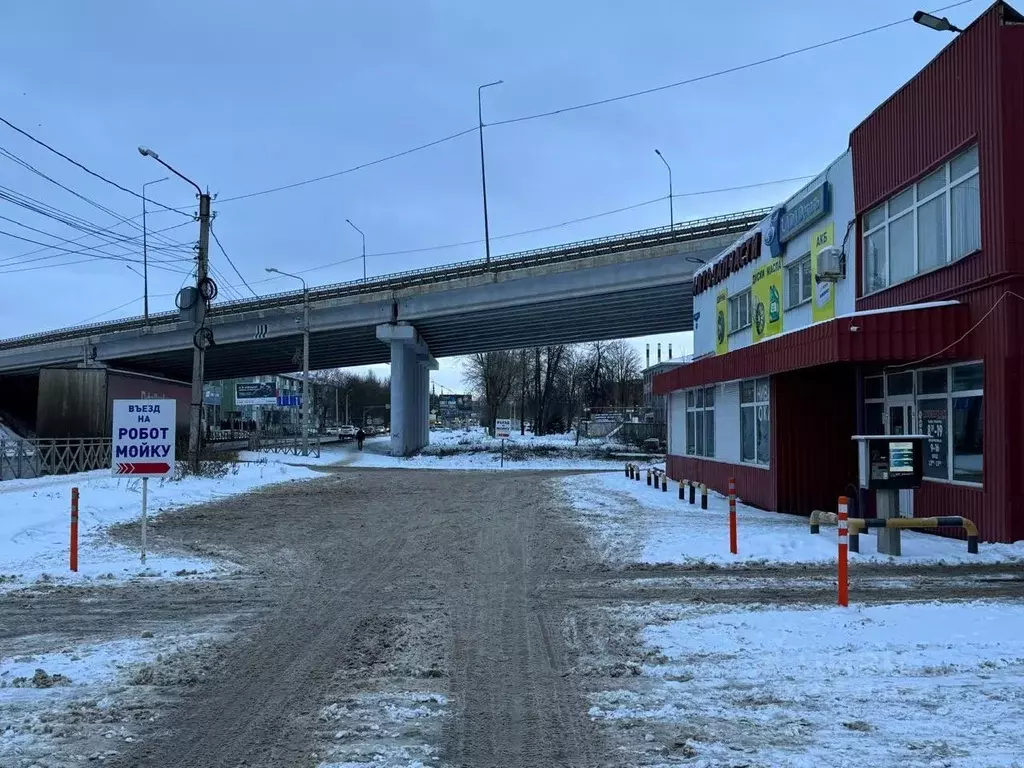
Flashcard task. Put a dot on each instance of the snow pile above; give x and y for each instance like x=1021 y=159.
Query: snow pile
x=646 y=525
x=913 y=685
x=35 y=520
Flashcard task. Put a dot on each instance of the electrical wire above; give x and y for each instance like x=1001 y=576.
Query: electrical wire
x=354 y=168
x=587 y=105
x=77 y=164
x=108 y=257
x=28 y=166
x=966 y=333
x=109 y=311
x=217 y=241
x=76 y=240
x=721 y=72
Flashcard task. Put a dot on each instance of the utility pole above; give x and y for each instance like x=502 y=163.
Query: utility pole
x=337 y=409
x=483 y=165
x=201 y=339
x=145 y=254
x=346 y=408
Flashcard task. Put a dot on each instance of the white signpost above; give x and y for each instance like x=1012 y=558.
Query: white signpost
x=503 y=429
x=143 y=444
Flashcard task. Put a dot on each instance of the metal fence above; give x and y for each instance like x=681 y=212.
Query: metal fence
x=40 y=457
x=290 y=445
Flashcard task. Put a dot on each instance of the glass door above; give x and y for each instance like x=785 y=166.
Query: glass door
x=901 y=422
x=901 y=419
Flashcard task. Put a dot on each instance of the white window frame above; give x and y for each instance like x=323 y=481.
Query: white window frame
x=753 y=406
x=744 y=296
x=798 y=265
x=912 y=211
x=916 y=396
x=688 y=408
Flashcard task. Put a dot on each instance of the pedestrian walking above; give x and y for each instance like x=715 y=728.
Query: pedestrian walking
x=360 y=437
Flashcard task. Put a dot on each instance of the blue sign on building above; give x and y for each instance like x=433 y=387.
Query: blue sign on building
x=289 y=401
x=796 y=218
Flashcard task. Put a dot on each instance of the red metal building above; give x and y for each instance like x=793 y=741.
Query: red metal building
x=936 y=343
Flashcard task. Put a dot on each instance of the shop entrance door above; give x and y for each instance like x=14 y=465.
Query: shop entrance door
x=901 y=422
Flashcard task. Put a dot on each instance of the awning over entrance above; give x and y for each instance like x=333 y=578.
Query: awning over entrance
x=900 y=334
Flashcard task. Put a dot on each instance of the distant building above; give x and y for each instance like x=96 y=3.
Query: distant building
x=272 y=403
x=656 y=406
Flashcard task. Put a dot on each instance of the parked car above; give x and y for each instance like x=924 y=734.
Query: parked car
x=347 y=432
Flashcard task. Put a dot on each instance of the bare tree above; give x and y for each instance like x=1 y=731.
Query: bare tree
x=492 y=374
x=624 y=370
x=572 y=381
x=548 y=361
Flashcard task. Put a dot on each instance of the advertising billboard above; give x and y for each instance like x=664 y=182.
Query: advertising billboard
x=255 y=393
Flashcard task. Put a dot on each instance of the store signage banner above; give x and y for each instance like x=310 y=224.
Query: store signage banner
x=823 y=293
x=766 y=300
x=722 y=323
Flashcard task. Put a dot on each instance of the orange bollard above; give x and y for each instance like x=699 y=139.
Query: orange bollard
x=74 y=529
x=733 y=547
x=844 y=595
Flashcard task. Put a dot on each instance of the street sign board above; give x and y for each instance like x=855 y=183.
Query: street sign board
x=255 y=393
x=143 y=438
x=502 y=427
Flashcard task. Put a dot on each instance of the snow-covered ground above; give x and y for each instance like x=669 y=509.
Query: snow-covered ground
x=90 y=698
x=35 y=521
x=911 y=684
x=460 y=450
x=647 y=525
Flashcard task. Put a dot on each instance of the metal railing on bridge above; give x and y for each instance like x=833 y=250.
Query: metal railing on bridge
x=728 y=224
x=27 y=458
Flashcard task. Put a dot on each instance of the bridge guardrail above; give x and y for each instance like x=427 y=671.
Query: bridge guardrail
x=735 y=223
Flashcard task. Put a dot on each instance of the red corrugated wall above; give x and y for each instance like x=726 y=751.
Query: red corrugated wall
x=753 y=485
x=814 y=416
x=973 y=91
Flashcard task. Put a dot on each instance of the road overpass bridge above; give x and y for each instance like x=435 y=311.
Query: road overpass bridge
x=625 y=285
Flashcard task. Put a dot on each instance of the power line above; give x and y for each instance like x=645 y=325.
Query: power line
x=109 y=311
x=134 y=238
x=217 y=241
x=159 y=265
x=28 y=166
x=721 y=72
x=621 y=97
x=77 y=164
x=354 y=168
x=448 y=246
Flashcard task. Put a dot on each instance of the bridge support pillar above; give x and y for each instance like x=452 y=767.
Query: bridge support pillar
x=411 y=364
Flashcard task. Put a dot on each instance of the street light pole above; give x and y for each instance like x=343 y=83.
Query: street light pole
x=145 y=253
x=357 y=229
x=200 y=339
x=671 y=213
x=483 y=164
x=305 y=357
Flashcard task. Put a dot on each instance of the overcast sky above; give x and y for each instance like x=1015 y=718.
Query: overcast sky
x=247 y=95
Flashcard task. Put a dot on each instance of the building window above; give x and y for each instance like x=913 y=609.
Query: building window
x=950 y=410
x=739 y=311
x=798 y=282
x=926 y=226
x=700 y=422
x=755 y=422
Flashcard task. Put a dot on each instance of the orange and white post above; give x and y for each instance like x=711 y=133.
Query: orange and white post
x=844 y=587
x=733 y=544
x=74 y=529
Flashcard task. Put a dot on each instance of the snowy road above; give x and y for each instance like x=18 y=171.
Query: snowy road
x=381 y=617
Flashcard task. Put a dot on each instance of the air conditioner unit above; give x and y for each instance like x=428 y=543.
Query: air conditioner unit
x=831 y=264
